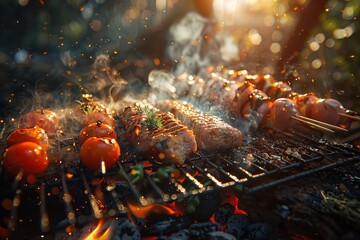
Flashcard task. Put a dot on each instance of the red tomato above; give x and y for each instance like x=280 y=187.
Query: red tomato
x=43 y=118
x=98 y=129
x=98 y=116
x=95 y=150
x=29 y=156
x=31 y=134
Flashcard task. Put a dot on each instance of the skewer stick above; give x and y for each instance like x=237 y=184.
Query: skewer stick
x=16 y=201
x=356 y=118
x=330 y=126
x=321 y=128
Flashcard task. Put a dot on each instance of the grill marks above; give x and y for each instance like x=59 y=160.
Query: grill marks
x=211 y=132
x=171 y=143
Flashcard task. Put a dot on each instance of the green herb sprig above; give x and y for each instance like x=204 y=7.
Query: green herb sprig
x=150 y=121
x=88 y=105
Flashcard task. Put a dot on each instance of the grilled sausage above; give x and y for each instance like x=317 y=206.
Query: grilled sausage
x=168 y=141
x=211 y=132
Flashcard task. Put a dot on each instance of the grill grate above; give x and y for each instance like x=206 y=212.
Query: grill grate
x=67 y=191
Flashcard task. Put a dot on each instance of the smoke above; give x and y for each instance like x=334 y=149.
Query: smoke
x=195 y=44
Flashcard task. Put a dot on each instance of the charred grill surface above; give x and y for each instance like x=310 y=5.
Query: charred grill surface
x=268 y=160
x=170 y=142
x=211 y=132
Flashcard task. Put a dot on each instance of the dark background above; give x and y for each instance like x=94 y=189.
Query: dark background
x=50 y=45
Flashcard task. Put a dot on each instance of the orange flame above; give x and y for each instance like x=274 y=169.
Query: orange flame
x=145 y=211
x=99 y=234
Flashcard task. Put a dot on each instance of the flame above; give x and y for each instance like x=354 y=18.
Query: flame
x=144 y=211
x=99 y=234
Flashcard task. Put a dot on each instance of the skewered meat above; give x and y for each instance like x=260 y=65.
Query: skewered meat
x=241 y=98
x=327 y=110
x=158 y=135
x=262 y=82
x=211 y=132
x=279 y=90
x=260 y=103
x=305 y=103
x=281 y=112
x=220 y=91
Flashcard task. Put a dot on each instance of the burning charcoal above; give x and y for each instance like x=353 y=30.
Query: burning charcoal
x=259 y=231
x=237 y=225
x=284 y=211
x=182 y=235
x=223 y=213
x=218 y=235
x=209 y=202
x=167 y=226
x=201 y=230
x=140 y=223
x=123 y=229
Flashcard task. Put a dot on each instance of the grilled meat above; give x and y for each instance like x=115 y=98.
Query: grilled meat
x=158 y=135
x=211 y=132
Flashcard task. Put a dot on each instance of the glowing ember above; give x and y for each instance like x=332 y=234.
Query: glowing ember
x=145 y=211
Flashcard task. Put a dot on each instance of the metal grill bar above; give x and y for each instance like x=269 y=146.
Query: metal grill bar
x=44 y=217
x=67 y=198
x=250 y=167
x=97 y=213
x=16 y=201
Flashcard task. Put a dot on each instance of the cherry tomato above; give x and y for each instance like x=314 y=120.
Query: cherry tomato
x=29 y=156
x=43 y=118
x=98 y=116
x=31 y=134
x=97 y=129
x=95 y=150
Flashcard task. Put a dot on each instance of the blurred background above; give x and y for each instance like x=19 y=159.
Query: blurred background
x=312 y=44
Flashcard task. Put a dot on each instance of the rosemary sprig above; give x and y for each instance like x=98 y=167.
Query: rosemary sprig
x=150 y=119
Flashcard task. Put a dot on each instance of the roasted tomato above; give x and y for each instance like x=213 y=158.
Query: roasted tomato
x=29 y=156
x=94 y=117
x=44 y=118
x=31 y=134
x=98 y=129
x=95 y=150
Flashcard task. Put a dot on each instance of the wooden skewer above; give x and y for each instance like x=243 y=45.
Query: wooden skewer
x=356 y=118
x=330 y=126
x=321 y=128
